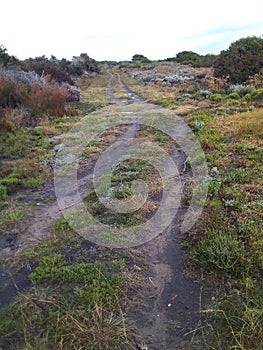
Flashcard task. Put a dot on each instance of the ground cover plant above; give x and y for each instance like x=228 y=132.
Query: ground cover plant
x=77 y=297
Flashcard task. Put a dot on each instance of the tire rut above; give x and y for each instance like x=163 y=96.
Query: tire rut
x=171 y=300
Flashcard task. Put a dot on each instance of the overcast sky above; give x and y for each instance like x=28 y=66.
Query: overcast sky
x=118 y=29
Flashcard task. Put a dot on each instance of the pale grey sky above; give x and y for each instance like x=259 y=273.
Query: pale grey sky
x=118 y=29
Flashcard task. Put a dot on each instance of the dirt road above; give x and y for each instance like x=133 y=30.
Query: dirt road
x=170 y=300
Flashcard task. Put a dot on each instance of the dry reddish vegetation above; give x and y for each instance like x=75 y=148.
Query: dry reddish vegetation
x=24 y=105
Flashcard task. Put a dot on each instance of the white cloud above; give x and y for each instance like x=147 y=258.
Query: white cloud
x=118 y=29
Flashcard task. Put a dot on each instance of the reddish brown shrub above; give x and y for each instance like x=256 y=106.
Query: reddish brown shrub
x=25 y=105
x=48 y=68
x=46 y=100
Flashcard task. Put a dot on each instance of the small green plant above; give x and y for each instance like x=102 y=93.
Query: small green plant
x=257 y=94
x=239 y=176
x=93 y=143
x=119 y=219
x=10 y=216
x=199 y=120
x=247 y=98
x=216 y=98
x=12 y=184
x=61 y=225
x=49 y=268
x=241 y=89
x=234 y=204
x=233 y=96
x=219 y=252
x=162 y=139
x=32 y=183
x=97 y=208
x=164 y=102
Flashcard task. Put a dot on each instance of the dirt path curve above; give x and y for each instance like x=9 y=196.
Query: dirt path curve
x=170 y=302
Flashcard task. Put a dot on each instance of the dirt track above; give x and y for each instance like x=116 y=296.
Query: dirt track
x=171 y=300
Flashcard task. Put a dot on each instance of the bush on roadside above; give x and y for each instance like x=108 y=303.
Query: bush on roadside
x=46 y=99
x=33 y=101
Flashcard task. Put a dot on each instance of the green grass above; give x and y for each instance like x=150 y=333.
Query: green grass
x=240 y=176
x=3 y=192
x=220 y=252
x=77 y=298
x=165 y=102
x=80 y=308
x=10 y=216
x=229 y=236
x=240 y=317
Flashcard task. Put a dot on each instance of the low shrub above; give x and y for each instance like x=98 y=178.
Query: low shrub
x=241 y=89
x=35 y=100
x=257 y=95
x=247 y=97
x=233 y=96
x=216 y=97
x=50 y=69
x=46 y=100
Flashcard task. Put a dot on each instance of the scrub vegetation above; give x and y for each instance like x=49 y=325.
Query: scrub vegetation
x=80 y=294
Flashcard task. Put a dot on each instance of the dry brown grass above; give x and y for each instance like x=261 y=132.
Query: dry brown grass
x=242 y=124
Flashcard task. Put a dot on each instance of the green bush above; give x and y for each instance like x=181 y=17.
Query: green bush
x=257 y=95
x=200 y=116
x=247 y=97
x=194 y=59
x=216 y=97
x=32 y=182
x=233 y=96
x=243 y=59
